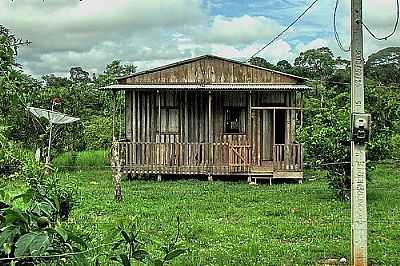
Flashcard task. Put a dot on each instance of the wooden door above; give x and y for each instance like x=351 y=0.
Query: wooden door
x=267 y=134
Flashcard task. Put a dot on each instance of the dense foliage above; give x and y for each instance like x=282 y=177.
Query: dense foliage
x=326 y=131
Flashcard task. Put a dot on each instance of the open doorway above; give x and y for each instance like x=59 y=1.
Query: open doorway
x=268 y=127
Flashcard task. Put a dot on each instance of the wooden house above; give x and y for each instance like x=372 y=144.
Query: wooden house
x=212 y=116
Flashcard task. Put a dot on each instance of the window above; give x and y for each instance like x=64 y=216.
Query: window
x=169 y=120
x=234 y=120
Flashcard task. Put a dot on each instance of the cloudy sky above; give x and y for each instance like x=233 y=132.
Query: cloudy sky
x=148 y=33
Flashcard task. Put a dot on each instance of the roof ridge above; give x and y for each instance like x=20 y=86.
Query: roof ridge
x=193 y=59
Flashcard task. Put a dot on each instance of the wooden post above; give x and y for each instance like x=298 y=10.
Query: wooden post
x=115 y=160
x=113 y=114
x=273 y=127
x=249 y=120
x=134 y=116
x=210 y=134
x=159 y=132
x=302 y=110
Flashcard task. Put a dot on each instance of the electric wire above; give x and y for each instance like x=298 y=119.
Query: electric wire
x=337 y=37
x=394 y=28
x=282 y=32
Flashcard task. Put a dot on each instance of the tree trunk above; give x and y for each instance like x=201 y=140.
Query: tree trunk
x=116 y=167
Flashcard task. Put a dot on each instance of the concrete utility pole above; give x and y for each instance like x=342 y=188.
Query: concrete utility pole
x=360 y=127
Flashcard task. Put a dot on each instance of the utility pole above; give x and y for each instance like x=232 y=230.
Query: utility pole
x=360 y=126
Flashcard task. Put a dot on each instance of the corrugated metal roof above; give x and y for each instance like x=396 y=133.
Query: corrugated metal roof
x=210 y=87
x=207 y=56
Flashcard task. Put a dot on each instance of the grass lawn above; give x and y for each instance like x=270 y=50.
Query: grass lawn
x=233 y=223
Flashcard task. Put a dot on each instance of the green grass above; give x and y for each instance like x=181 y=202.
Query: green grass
x=65 y=159
x=232 y=223
x=82 y=160
x=92 y=159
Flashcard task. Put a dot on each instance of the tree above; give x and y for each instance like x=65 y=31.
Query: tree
x=53 y=81
x=9 y=45
x=284 y=66
x=77 y=74
x=261 y=62
x=114 y=70
x=15 y=86
x=384 y=66
x=342 y=71
x=315 y=63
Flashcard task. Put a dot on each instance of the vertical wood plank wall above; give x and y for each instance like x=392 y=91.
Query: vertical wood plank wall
x=142 y=122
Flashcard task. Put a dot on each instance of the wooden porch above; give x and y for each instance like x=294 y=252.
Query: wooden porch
x=224 y=158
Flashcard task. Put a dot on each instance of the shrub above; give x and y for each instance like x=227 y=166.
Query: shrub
x=325 y=135
x=11 y=156
x=131 y=248
x=34 y=232
x=395 y=145
x=97 y=133
x=45 y=187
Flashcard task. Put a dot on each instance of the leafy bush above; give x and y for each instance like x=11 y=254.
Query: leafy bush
x=325 y=134
x=132 y=247
x=395 y=144
x=97 y=132
x=29 y=236
x=45 y=187
x=11 y=156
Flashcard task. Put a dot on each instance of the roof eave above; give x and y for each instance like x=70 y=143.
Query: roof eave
x=211 y=87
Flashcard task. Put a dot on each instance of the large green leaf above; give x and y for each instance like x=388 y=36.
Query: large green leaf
x=62 y=233
x=8 y=233
x=74 y=238
x=125 y=260
x=32 y=244
x=175 y=253
x=126 y=236
x=140 y=254
x=15 y=215
x=44 y=208
x=26 y=196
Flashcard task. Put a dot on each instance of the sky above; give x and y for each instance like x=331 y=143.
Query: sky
x=150 y=33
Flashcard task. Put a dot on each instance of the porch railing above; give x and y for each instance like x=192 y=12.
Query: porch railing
x=189 y=158
x=288 y=157
x=201 y=158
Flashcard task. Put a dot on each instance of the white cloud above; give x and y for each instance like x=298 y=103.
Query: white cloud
x=149 y=33
x=301 y=47
x=243 y=30
x=92 y=33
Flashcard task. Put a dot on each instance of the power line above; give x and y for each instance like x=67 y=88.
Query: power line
x=286 y=29
x=337 y=37
x=394 y=28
